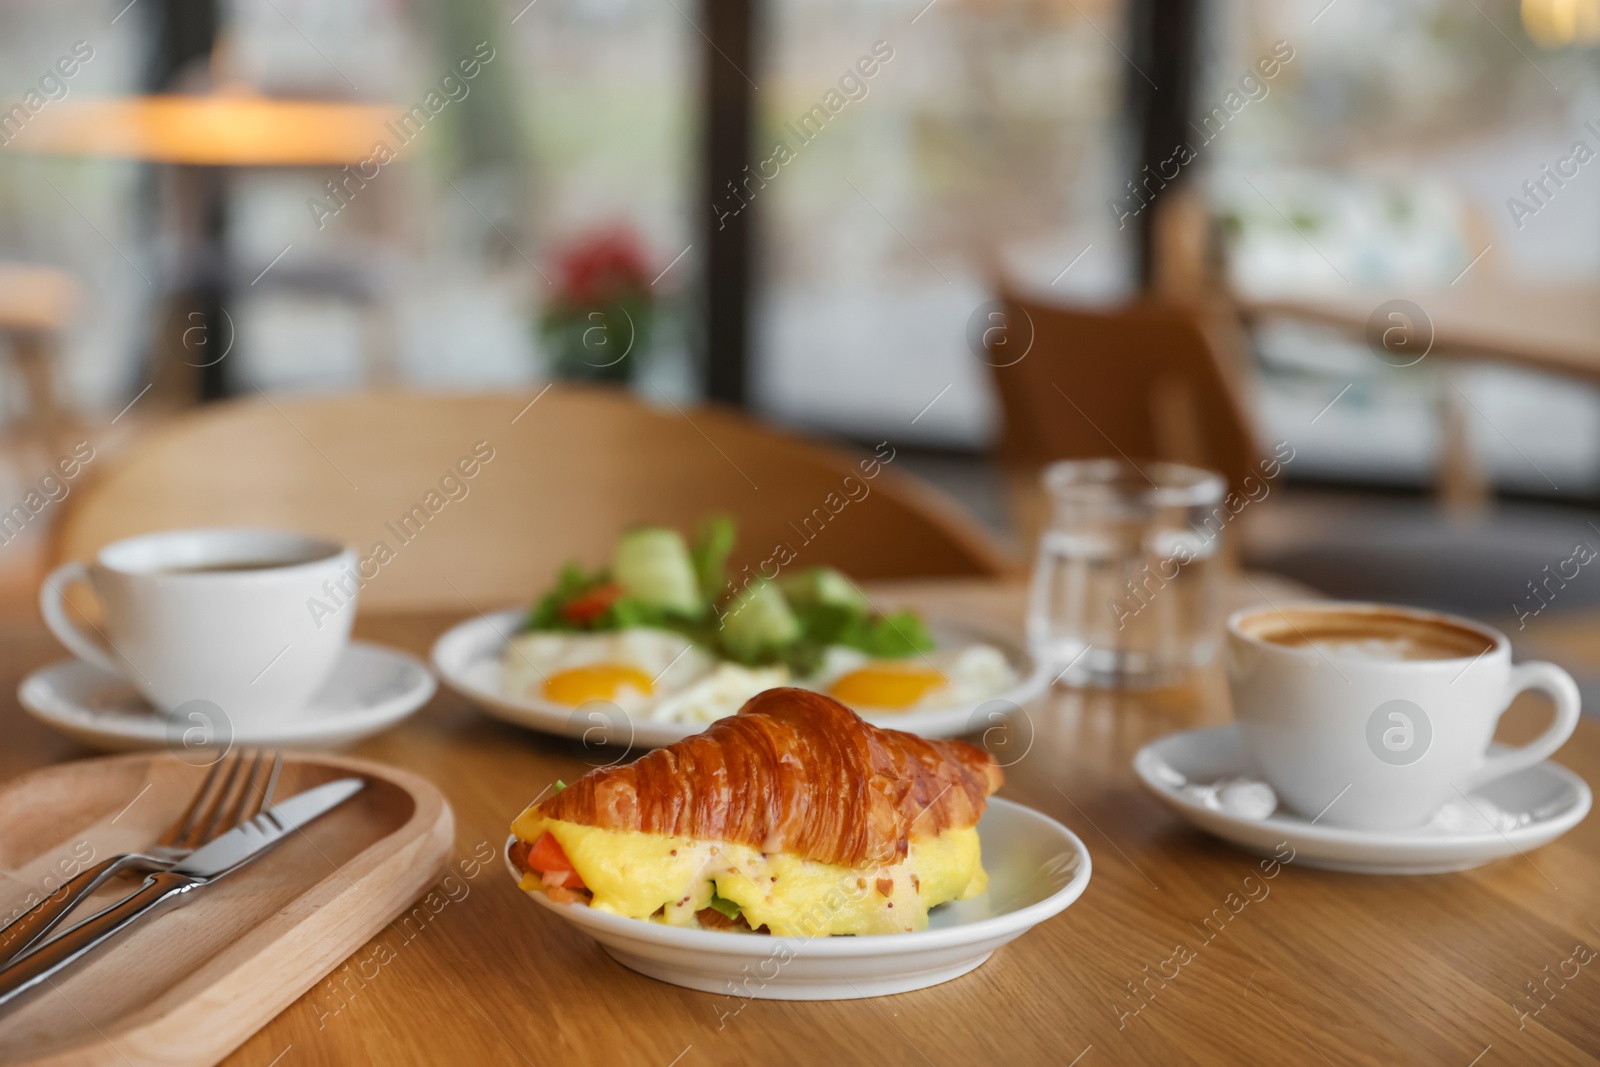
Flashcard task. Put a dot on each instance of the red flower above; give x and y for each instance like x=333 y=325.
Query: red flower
x=599 y=266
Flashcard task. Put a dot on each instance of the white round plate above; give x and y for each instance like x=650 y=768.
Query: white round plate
x=1036 y=868
x=467 y=658
x=372 y=688
x=1556 y=798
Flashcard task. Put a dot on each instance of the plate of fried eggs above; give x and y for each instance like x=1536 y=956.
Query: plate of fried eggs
x=649 y=687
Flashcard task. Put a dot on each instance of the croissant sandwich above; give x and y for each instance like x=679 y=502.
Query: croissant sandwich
x=793 y=817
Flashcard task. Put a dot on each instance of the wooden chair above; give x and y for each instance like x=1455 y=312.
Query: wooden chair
x=1142 y=381
x=567 y=471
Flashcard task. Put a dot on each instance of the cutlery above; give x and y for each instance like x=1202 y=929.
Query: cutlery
x=221 y=803
x=205 y=865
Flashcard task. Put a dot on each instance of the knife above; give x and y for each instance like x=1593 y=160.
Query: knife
x=205 y=865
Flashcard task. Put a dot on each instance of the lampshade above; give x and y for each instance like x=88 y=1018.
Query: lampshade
x=1558 y=23
x=218 y=130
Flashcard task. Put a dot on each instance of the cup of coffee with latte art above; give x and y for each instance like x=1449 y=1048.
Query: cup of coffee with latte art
x=1373 y=717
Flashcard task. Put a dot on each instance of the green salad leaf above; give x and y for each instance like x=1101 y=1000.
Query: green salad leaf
x=896 y=636
x=659 y=581
x=572 y=583
x=627 y=612
x=713 y=543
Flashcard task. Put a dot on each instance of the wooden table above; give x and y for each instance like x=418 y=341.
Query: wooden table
x=1326 y=968
x=1553 y=327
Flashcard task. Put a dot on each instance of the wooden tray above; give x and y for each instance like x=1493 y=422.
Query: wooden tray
x=189 y=984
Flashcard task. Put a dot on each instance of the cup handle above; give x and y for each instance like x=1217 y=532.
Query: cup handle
x=53 y=607
x=1547 y=678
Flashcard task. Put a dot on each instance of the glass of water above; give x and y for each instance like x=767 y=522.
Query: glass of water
x=1125 y=588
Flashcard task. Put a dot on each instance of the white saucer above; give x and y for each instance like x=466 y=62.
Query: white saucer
x=1556 y=799
x=372 y=688
x=467 y=658
x=1036 y=868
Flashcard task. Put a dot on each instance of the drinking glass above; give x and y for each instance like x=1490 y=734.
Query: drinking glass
x=1125 y=587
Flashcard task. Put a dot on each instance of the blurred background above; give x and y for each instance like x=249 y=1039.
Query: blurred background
x=1374 y=227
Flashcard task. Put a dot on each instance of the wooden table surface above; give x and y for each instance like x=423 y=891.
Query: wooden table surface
x=1323 y=968
x=1553 y=327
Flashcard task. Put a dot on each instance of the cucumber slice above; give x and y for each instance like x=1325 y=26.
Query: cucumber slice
x=824 y=585
x=757 y=623
x=652 y=565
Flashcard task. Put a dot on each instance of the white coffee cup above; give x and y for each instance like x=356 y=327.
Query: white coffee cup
x=1387 y=715
x=218 y=615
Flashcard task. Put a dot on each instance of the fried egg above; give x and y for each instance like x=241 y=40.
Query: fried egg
x=940 y=679
x=719 y=694
x=630 y=668
x=665 y=879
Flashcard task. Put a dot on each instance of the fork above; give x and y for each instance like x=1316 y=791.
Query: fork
x=223 y=801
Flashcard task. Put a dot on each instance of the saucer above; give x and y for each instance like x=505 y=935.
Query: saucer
x=467 y=658
x=1036 y=866
x=1549 y=797
x=372 y=688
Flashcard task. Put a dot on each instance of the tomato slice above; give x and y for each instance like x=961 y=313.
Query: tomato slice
x=547 y=858
x=591 y=605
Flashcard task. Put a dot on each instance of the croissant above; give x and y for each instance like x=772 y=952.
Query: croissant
x=794 y=816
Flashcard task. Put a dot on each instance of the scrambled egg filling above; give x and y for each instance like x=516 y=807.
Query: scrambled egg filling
x=669 y=879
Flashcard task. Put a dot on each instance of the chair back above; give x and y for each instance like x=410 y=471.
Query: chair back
x=479 y=499
x=1141 y=381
